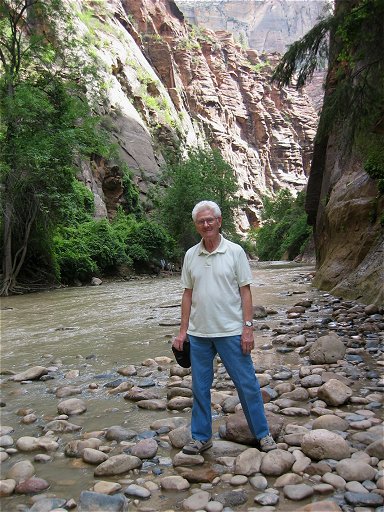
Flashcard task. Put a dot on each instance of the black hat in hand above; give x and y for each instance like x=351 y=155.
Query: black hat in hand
x=183 y=356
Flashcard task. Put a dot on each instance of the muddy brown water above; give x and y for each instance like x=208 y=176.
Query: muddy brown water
x=97 y=330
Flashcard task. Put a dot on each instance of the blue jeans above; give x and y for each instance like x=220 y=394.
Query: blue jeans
x=240 y=369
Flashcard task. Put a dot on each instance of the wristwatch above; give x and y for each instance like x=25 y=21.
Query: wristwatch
x=248 y=323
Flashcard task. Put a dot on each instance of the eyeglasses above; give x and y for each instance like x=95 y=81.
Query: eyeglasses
x=208 y=221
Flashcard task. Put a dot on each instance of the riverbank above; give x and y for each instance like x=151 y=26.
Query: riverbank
x=322 y=388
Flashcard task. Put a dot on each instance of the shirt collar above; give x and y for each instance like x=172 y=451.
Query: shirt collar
x=222 y=247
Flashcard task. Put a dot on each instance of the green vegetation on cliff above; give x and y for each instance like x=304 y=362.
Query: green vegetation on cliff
x=285 y=232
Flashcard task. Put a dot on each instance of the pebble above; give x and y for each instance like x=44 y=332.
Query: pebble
x=325 y=415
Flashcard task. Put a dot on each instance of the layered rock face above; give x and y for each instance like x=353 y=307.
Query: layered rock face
x=349 y=235
x=265 y=25
x=344 y=205
x=169 y=84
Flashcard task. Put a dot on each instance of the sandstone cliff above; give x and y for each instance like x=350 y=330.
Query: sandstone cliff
x=265 y=25
x=169 y=84
x=343 y=202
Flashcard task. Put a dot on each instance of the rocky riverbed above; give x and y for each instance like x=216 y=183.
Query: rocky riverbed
x=325 y=414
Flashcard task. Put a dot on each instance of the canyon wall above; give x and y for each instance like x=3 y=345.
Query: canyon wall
x=168 y=85
x=265 y=25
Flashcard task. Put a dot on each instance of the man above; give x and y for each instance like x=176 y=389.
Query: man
x=216 y=313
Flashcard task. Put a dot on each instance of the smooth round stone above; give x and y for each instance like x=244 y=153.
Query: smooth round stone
x=7 y=487
x=267 y=498
x=137 y=491
x=298 y=492
x=355 y=487
x=370 y=499
x=238 y=480
x=197 y=501
x=31 y=486
x=284 y=375
x=259 y=482
x=6 y=441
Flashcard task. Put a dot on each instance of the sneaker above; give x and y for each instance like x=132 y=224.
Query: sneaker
x=267 y=443
x=195 y=447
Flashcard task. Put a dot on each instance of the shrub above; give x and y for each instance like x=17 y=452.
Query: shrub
x=285 y=231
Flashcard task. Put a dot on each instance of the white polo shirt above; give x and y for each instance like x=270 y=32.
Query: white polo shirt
x=215 y=279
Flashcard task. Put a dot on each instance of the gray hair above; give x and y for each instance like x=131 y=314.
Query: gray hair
x=204 y=205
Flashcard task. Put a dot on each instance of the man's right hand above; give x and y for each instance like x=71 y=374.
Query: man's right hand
x=178 y=341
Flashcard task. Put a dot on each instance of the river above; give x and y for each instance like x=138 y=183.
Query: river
x=96 y=330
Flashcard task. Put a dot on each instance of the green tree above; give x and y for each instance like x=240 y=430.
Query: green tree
x=45 y=127
x=285 y=231
x=203 y=174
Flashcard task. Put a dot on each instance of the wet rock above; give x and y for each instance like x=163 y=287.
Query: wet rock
x=118 y=433
x=28 y=419
x=205 y=474
x=224 y=448
x=177 y=391
x=29 y=444
x=259 y=312
x=105 y=487
x=248 y=462
x=72 y=406
x=182 y=459
x=330 y=422
x=232 y=498
x=7 y=487
x=327 y=349
x=355 y=470
x=376 y=449
x=137 y=393
x=179 y=437
x=31 y=485
x=298 y=492
x=62 y=426
x=117 y=464
x=323 y=444
x=267 y=499
x=48 y=504
x=288 y=479
x=64 y=391
x=358 y=499
x=21 y=471
x=31 y=374
x=259 y=482
x=334 y=392
x=335 y=480
x=76 y=447
x=95 y=502
x=236 y=427
x=238 y=480
x=152 y=405
x=179 y=403
x=145 y=449
x=137 y=491
x=6 y=441
x=3 y=456
x=5 y=430
x=92 y=456
x=197 y=501
x=277 y=462
x=174 y=483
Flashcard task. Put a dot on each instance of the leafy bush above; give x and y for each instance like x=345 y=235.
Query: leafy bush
x=87 y=249
x=100 y=247
x=285 y=231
